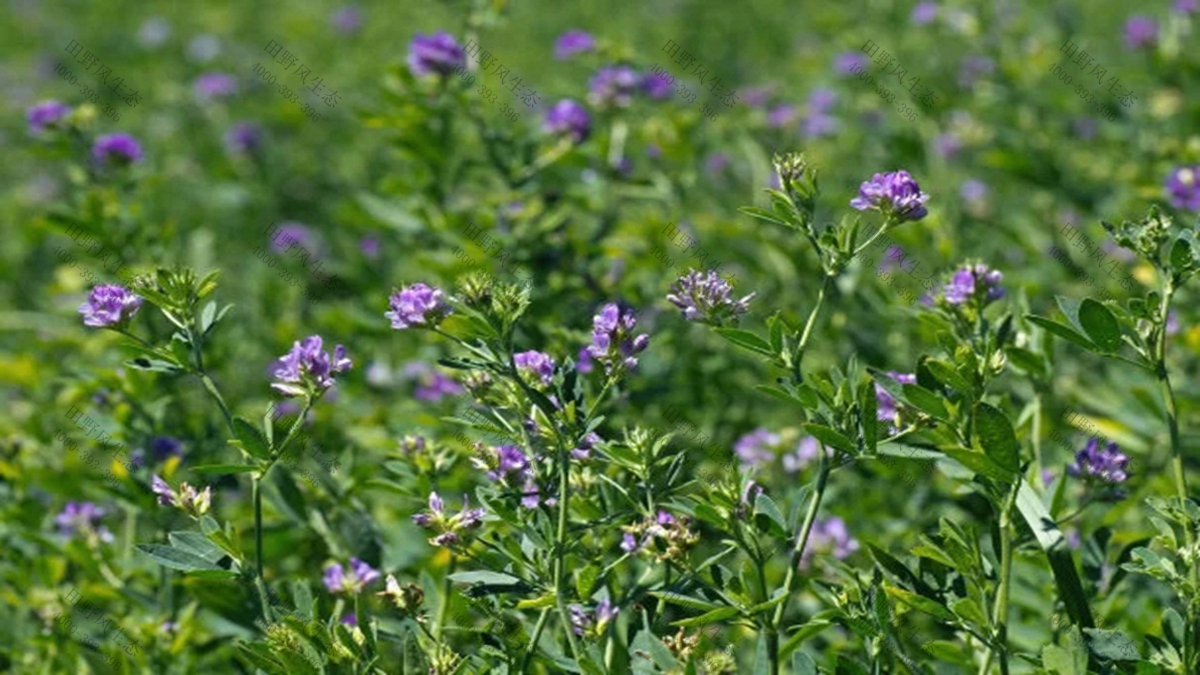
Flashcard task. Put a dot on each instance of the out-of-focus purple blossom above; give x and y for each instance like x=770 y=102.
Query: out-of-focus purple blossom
x=82 y=518
x=535 y=363
x=1074 y=541
x=417 y=306
x=973 y=190
x=584 y=362
x=822 y=100
x=849 y=63
x=1172 y=326
x=1183 y=187
x=1186 y=6
x=947 y=145
x=1086 y=128
x=573 y=42
x=369 y=246
x=46 y=114
x=210 y=86
x=924 y=13
x=806 y=453
x=1140 y=31
x=783 y=115
x=438 y=53
x=974 y=67
x=829 y=536
x=109 y=305
x=705 y=297
x=895 y=193
x=1047 y=477
x=658 y=86
x=816 y=125
x=244 y=138
x=168 y=627
x=307 y=365
x=885 y=404
x=347 y=19
x=433 y=386
x=569 y=118
x=530 y=495
x=350 y=580
x=117 y=149
x=756 y=448
x=972 y=281
x=153 y=32
x=613 y=86
x=653 y=151
x=350 y=619
x=1114 y=250
x=166 y=496
x=165 y=447
x=773 y=181
x=756 y=97
x=716 y=163
x=292 y=233
x=589 y=441
x=1105 y=467
x=613 y=343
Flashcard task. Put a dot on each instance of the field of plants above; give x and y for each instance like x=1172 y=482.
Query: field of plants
x=650 y=337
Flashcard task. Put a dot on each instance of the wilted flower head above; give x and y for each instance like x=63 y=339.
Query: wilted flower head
x=244 y=138
x=308 y=366
x=407 y=599
x=438 y=53
x=657 y=86
x=847 y=63
x=924 y=13
x=569 y=118
x=450 y=528
x=1140 y=31
x=829 y=535
x=756 y=448
x=705 y=297
x=417 y=306
x=613 y=343
x=1107 y=466
x=82 y=518
x=1183 y=187
x=109 y=305
x=46 y=114
x=195 y=503
x=664 y=535
x=893 y=194
x=117 y=149
x=211 y=86
x=573 y=42
x=974 y=281
x=613 y=86
x=351 y=580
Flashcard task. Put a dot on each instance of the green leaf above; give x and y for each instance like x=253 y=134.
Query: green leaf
x=1181 y=254
x=802 y=664
x=765 y=506
x=1058 y=661
x=223 y=469
x=153 y=365
x=485 y=578
x=917 y=602
x=1111 y=644
x=775 y=333
x=198 y=544
x=830 y=437
x=708 y=617
x=969 y=610
x=763 y=214
x=207 y=316
x=926 y=401
x=1070 y=309
x=901 y=572
x=250 y=440
x=1026 y=360
x=1051 y=539
x=979 y=463
x=390 y=213
x=645 y=642
x=868 y=421
x=176 y=559
x=746 y=340
x=585 y=580
x=762 y=662
x=684 y=601
x=1065 y=332
x=1100 y=325
x=947 y=375
x=994 y=435
x=780 y=393
x=813 y=627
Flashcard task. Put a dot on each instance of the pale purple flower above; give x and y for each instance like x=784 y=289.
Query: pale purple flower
x=584 y=363
x=974 y=67
x=369 y=246
x=947 y=145
x=417 y=306
x=613 y=343
x=850 y=63
x=613 y=86
x=350 y=580
x=166 y=496
x=119 y=149
x=46 y=114
x=82 y=518
x=1186 y=6
x=716 y=163
x=244 y=138
x=816 y=125
x=511 y=460
x=210 y=86
x=530 y=495
x=806 y=452
x=307 y=365
x=756 y=97
x=822 y=99
x=1172 y=326
x=782 y=115
x=1047 y=477
x=663 y=518
x=535 y=363
x=657 y=86
x=756 y=448
x=894 y=194
x=153 y=32
x=584 y=450
x=885 y=404
x=435 y=386
x=438 y=53
x=973 y=190
x=1183 y=187
x=629 y=543
x=605 y=611
x=970 y=281
x=347 y=19
x=705 y=297
x=449 y=528
x=291 y=234
x=580 y=621
x=829 y=535
x=1140 y=31
x=573 y=42
x=569 y=118
x=924 y=13
x=109 y=305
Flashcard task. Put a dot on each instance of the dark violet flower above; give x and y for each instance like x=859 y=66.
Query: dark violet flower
x=165 y=447
x=291 y=234
x=210 y=86
x=119 y=149
x=756 y=448
x=509 y=460
x=567 y=117
x=350 y=580
x=46 y=114
x=893 y=194
x=584 y=364
x=657 y=86
x=535 y=363
x=829 y=535
x=244 y=138
x=589 y=441
x=923 y=13
x=1105 y=467
x=783 y=115
x=109 y=305
x=973 y=190
x=1183 y=187
x=307 y=367
x=705 y=297
x=417 y=306
x=438 y=53
x=82 y=518
x=974 y=281
x=849 y=63
x=350 y=620
x=573 y=42
x=974 y=67
x=613 y=343
x=613 y=86
x=347 y=19
x=1140 y=31
x=947 y=145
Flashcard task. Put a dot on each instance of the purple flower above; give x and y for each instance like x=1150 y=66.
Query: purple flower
x=119 y=149
x=589 y=441
x=705 y=297
x=1107 y=466
x=164 y=447
x=849 y=63
x=817 y=125
x=1186 y=6
x=449 y=528
x=1183 y=187
x=569 y=118
x=612 y=342
x=1047 y=477
x=573 y=42
x=756 y=448
x=438 y=53
x=82 y=518
x=1085 y=128
x=1140 y=31
x=974 y=281
x=822 y=99
x=924 y=13
x=657 y=86
x=109 y=305
x=530 y=496
x=350 y=620
x=1172 y=326
x=756 y=97
x=829 y=535
x=973 y=68
x=417 y=306
x=166 y=496
x=307 y=366
x=535 y=363
x=808 y=450
x=369 y=247
x=973 y=190
x=716 y=163
x=885 y=405
x=290 y=234
x=629 y=543
x=580 y=621
x=782 y=115
x=511 y=460
x=350 y=580
x=893 y=194
x=663 y=518
x=46 y=114
x=347 y=19
x=605 y=612
x=435 y=387
x=584 y=364
x=613 y=86
x=211 y=86
x=244 y=138
x=947 y=145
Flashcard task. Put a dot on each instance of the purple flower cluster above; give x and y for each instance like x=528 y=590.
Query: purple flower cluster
x=589 y=441
x=307 y=365
x=188 y=498
x=705 y=297
x=211 y=86
x=756 y=448
x=1140 y=31
x=417 y=306
x=350 y=580
x=535 y=363
x=439 y=53
x=829 y=535
x=614 y=86
x=118 y=149
x=818 y=122
x=46 y=114
x=594 y=622
x=432 y=385
x=974 y=281
x=109 y=305
x=1106 y=465
x=289 y=234
x=573 y=42
x=82 y=518
x=807 y=451
x=244 y=138
x=847 y=63
x=893 y=194
x=613 y=343
x=1183 y=187
x=568 y=118
x=450 y=529
x=665 y=534
x=658 y=86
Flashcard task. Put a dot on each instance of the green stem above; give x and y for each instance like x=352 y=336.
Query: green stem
x=445 y=606
x=533 y=639
x=560 y=549
x=798 y=354
x=790 y=581
x=1037 y=434
x=212 y=389
x=1000 y=612
x=256 y=491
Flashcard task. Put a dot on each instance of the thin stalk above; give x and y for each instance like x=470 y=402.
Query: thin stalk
x=1000 y=611
x=533 y=639
x=256 y=491
x=560 y=549
x=1164 y=380
x=445 y=606
x=798 y=354
x=1037 y=433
